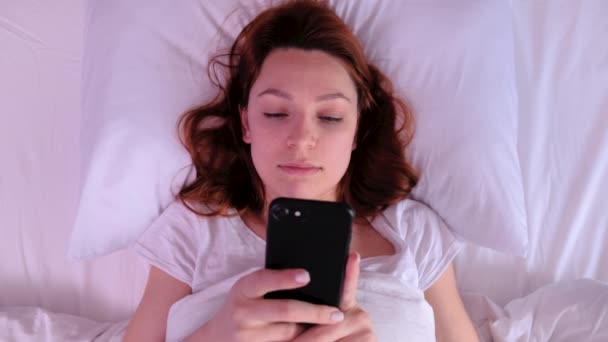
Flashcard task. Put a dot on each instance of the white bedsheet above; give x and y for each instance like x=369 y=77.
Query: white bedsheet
x=562 y=57
x=40 y=60
x=34 y=324
x=562 y=66
x=563 y=312
x=406 y=317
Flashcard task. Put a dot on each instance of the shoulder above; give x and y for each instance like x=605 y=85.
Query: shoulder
x=189 y=209
x=175 y=238
x=409 y=216
x=431 y=244
x=185 y=221
x=179 y=210
x=191 y=212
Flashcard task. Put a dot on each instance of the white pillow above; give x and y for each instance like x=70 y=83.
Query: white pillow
x=145 y=64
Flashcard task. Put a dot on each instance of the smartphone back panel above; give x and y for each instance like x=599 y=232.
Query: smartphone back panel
x=313 y=235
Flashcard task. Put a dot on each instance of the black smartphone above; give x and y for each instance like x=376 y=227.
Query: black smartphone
x=313 y=235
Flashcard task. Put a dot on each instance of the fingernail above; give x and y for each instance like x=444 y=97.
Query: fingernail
x=358 y=257
x=337 y=316
x=302 y=277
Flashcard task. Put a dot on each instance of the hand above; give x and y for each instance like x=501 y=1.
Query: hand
x=356 y=326
x=247 y=316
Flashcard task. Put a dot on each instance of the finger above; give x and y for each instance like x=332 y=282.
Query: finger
x=277 y=332
x=324 y=333
x=258 y=283
x=363 y=336
x=351 y=279
x=357 y=325
x=291 y=311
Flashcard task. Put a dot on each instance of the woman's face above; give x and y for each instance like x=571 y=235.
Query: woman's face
x=301 y=122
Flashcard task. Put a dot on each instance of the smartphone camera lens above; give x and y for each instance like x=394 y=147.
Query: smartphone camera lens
x=279 y=212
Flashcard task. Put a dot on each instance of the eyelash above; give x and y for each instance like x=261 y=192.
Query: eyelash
x=328 y=119
x=275 y=115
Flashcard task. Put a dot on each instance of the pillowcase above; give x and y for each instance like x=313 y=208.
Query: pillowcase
x=145 y=64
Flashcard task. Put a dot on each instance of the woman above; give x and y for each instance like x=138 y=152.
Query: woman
x=302 y=114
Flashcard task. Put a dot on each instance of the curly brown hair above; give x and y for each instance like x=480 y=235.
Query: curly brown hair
x=378 y=174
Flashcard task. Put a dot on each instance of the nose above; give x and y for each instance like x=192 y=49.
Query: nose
x=302 y=134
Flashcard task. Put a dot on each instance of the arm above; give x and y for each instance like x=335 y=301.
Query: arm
x=452 y=322
x=150 y=320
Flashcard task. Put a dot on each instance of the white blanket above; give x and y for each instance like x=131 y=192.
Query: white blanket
x=397 y=313
x=24 y=324
x=570 y=311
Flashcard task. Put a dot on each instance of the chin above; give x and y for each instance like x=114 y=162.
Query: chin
x=309 y=194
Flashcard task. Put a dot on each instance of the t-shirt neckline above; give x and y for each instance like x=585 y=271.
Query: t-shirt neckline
x=378 y=223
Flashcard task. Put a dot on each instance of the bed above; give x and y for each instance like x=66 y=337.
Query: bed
x=558 y=292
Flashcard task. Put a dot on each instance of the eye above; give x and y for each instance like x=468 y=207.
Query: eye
x=330 y=119
x=275 y=115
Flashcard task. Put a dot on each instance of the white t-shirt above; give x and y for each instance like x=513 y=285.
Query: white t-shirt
x=211 y=253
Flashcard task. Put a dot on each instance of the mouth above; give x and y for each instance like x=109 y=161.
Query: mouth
x=300 y=168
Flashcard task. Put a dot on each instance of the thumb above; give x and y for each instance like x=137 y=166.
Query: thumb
x=350 y=282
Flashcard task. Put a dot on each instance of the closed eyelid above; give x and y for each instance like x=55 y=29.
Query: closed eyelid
x=331 y=118
x=275 y=114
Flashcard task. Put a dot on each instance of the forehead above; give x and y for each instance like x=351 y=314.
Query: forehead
x=303 y=72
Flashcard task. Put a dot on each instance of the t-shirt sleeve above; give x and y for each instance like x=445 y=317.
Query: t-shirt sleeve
x=171 y=242
x=431 y=243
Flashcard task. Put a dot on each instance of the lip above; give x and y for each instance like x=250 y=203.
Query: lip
x=297 y=168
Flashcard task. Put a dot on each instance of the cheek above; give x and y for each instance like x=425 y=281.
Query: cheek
x=264 y=130
x=264 y=151
x=260 y=150
x=339 y=152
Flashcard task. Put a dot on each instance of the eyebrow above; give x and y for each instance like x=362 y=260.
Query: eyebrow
x=324 y=97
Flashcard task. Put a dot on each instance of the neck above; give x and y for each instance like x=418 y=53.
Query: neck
x=261 y=218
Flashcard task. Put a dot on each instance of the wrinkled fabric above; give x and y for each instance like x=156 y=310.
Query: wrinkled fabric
x=397 y=313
